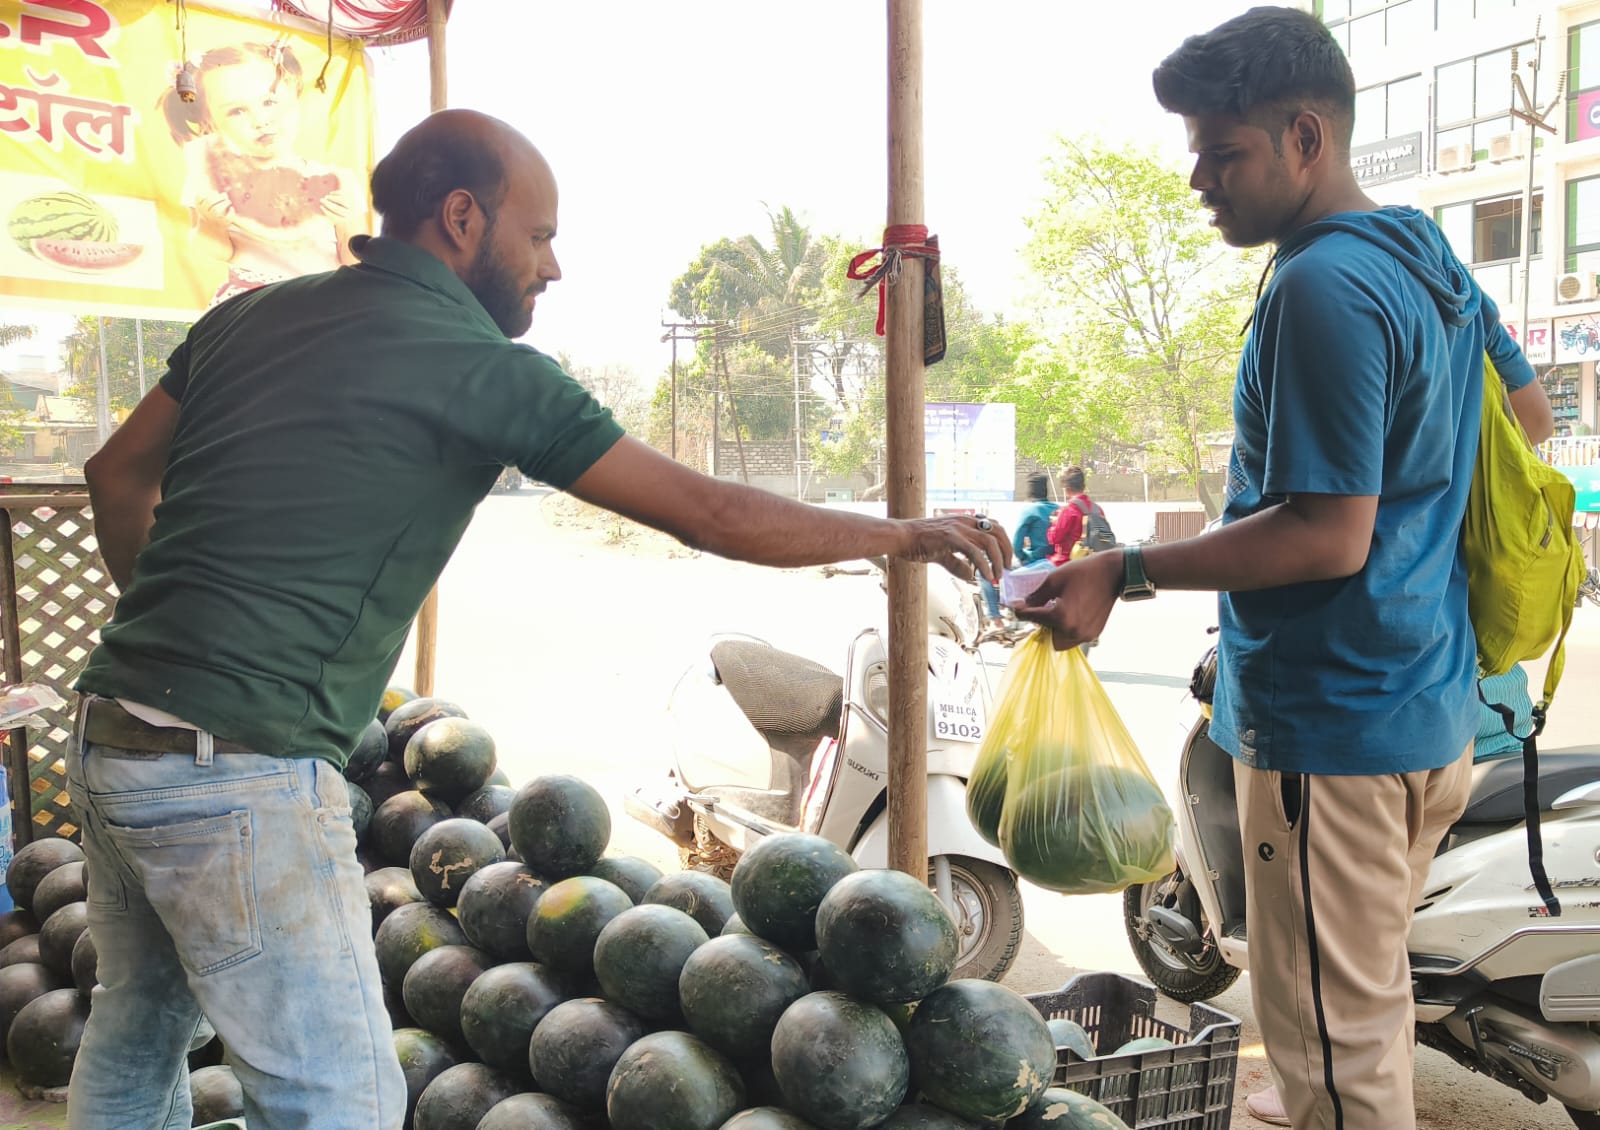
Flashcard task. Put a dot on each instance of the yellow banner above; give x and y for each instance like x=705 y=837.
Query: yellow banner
x=156 y=160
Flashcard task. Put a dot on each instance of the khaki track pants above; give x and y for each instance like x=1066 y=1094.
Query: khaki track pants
x=1333 y=867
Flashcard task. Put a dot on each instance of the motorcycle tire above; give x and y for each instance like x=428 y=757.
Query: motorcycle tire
x=989 y=906
x=1177 y=975
x=1584 y=1119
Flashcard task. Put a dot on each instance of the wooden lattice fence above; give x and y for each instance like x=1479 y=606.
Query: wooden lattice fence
x=54 y=597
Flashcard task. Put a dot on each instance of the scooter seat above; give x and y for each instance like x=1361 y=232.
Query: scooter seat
x=781 y=694
x=1497 y=785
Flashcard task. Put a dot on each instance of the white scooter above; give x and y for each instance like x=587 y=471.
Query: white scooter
x=1500 y=987
x=767 y=742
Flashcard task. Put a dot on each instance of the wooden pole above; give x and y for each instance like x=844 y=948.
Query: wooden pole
x=438 y=99
x=908 y=583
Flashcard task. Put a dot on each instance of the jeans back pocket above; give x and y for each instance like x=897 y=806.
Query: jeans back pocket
x=199 y=878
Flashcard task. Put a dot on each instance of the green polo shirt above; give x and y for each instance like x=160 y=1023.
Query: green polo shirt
x=335 y=433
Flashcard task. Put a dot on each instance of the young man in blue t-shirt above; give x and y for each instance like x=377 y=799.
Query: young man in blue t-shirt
x=1345 y=686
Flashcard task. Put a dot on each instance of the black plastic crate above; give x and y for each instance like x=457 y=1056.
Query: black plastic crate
x=1185 y=1087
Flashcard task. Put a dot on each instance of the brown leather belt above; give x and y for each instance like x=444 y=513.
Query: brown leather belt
x=107 y=723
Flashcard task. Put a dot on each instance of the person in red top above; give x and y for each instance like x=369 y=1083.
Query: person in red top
x=1067 y=530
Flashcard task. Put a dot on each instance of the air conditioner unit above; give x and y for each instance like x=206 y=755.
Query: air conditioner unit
x=1454 y=158
x=1583 y=287
x=1505 y=147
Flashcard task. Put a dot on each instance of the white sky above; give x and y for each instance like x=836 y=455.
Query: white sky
x=671 y=125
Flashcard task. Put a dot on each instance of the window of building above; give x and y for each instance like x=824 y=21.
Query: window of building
x=1472 y=98
x=1490 y=230
x=1452 y=13
x=1390 y=109
x=1583 y=219
x=1583 y=80
x=1365 y=26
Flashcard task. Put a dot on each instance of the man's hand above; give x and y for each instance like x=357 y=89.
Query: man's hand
x=960 y=544
x=124 y=479
x=1075 y=600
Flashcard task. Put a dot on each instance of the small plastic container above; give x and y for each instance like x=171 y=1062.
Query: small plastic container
x=1185 y=1087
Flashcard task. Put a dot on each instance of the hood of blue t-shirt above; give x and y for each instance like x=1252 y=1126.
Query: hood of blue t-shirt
x=1415 y=241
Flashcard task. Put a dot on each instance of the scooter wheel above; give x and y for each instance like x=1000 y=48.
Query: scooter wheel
x=1180 y=976
x=1585 y=1119
x=988 y=917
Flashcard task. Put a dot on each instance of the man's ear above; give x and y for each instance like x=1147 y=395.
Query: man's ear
x=462 y=220
x=1308 y=133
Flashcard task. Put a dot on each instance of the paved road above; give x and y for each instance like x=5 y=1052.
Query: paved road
x=567 y=646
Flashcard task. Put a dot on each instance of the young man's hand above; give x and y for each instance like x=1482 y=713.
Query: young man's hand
x=960 y=544
x=1075 y=600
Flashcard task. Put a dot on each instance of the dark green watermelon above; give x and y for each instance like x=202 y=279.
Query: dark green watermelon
x=389 y=888
x=20 y=985
x=387 y=780
x=16 y=924
x=885 y=937
x=979 y=1050
x=44 y=1037
x=487 y=803
x=1143 y=1044
x=423 y=1058
x=394 y=1004
x=705 y=898
x=535 y=1112
x=766 y=1118
x=639 y=957
x=409 y=932
x=215 y=1094
x=839 y=1061
x=499 y=777
x=446 y=855
x=923 y=1117
x=634 y=875
x=1070 y=1034
x=502 y=1008
x=735 y=988
x=559 y=825
x=66 y=884
x=399 y=821
x=24 y=950
x=1057 y=829
x=33 y=862
x=450 y=758
x=59 y=934
x=371 y=749
x=672 y=1081
x=86 y=964
x=501 y=826
x=494 y=908
x=360 y=810
x=393 y=698
x=735 y=925
x=460 y=1097
x=436 y=983
x=780 y=882
x=565 y=925
x=760 y=1084
x=409 y=717
x=986 y=792
x=1061 y=1109
x=575 y=1047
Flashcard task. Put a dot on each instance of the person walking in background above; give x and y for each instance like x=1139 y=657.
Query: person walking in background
x=1030 y=543
x=1067 y=529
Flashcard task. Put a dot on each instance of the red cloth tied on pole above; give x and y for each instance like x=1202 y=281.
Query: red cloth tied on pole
x=382 y=21
x=899 y=240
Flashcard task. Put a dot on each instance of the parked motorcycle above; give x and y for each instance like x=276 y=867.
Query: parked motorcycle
x=766 y=742
x=1500 y=987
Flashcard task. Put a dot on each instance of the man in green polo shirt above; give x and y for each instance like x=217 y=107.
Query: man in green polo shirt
x=273 y=514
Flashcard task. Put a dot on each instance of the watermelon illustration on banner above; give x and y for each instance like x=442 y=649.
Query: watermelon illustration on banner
x=153 y=166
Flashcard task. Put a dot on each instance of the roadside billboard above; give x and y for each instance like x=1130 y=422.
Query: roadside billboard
x=971 y=452
x=121 y=195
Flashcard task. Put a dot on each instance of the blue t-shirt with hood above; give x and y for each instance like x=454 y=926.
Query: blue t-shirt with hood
x=1362 y=375
x=1031 y=542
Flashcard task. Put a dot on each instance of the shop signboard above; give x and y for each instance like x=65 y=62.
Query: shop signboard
x=1537 y=345
x=160 y=159
x=1380 y=162
x=1588 y=115
x=971 y=452
x=1587 y=481
x=1577 y=339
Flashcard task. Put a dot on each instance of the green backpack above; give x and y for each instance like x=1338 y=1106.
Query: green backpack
x=1524 y=568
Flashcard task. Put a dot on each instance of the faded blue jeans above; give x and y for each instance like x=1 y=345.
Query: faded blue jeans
x=229 y=891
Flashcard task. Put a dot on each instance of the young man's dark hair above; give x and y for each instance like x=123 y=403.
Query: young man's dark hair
x=1074 y=480
x=1264 y=67
x=1038 y=486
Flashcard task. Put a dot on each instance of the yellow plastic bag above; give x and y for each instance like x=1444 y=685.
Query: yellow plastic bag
x=1059 y=785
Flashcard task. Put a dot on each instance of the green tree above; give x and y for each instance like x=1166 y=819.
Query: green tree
x=11 y=413
x=81 y=349
x=1143 y=298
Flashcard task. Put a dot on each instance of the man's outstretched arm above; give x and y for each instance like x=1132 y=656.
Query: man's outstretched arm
x=730 y=520
x=124 y=480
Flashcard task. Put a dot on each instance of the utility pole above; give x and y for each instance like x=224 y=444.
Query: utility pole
x=1525 y=107
x=799 y=483
x=673 y=335
x=102 y=389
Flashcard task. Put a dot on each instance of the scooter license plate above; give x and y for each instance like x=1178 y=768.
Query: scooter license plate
x=959 y=720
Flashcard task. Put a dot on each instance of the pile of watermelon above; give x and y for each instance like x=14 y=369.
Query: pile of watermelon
x=535 y=981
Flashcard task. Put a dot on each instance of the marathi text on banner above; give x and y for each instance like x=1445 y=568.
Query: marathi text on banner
x=121 y=197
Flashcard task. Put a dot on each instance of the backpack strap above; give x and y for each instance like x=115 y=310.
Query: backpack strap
x=1076 y=500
